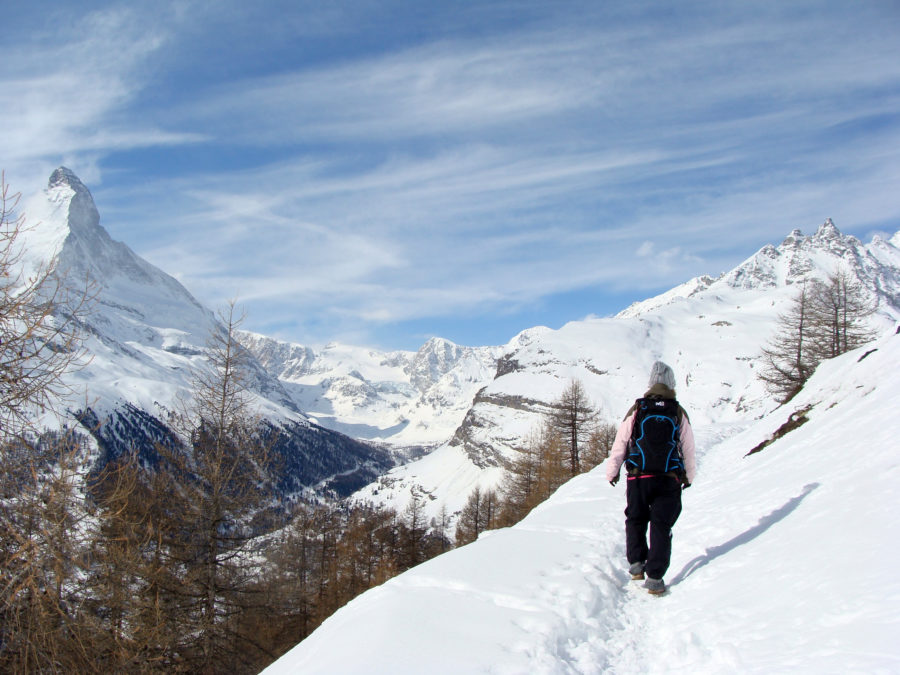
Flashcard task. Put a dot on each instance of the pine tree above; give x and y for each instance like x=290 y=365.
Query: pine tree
x=521 y=482
x=599 y=445
x=292 y=584
x=43 y=622
x=415 y=531
x=216 y=484
x=127 y=576
x=840 y=309
x=479 y=514
x=789 y=357
x=824 y=320
x=573 y=417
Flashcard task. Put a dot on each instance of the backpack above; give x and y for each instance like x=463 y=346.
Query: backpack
x=655 y=439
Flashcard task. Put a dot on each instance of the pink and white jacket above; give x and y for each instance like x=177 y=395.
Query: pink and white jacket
x=623 y=435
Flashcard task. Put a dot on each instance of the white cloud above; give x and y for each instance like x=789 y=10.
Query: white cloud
x=67 y=93
x=449 y=87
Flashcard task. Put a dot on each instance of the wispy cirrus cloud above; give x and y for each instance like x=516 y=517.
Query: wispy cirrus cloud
x=367 y=166
x=446 y=88
x=68 y=86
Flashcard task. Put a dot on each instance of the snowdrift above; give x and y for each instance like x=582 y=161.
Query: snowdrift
x=783 y=562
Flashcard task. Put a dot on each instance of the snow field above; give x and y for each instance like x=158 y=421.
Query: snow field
x=534 y=594
x=782 y=562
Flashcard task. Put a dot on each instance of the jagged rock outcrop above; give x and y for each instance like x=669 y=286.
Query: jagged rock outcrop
x=468 y=436
x=800 y=257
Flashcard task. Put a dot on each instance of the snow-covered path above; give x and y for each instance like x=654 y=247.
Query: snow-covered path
x=782 y=562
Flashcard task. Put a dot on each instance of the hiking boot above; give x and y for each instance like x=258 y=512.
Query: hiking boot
x=636 y=570
x=655 y=586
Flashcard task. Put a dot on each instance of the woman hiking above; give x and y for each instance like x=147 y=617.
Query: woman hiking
x=655 y=442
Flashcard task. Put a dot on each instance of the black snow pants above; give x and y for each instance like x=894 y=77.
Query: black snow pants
x=654 y=501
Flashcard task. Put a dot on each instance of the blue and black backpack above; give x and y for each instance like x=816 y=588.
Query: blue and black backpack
x=655 y=439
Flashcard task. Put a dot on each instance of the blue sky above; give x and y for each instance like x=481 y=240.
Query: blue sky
x=381 y=172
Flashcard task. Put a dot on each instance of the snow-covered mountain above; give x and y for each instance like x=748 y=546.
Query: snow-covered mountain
x=404 y=399
x=709 y=330
x=800 y=257
x=145 y=334
x=783 y=561
x=145 y=329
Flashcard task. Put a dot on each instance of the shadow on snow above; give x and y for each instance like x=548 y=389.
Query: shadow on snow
x=764 y=524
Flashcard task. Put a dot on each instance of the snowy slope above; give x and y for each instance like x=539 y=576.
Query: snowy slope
x=783 y=562
x=709 y=331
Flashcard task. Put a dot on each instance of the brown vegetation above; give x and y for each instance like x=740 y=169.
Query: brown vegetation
x=189 y=565
x=570 y=441
x=823 y=321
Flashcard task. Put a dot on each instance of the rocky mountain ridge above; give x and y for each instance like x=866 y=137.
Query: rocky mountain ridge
x=797 y=258
x=400 y=398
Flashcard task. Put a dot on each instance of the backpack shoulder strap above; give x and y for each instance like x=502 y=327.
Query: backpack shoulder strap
x=633 y=408
x=636 y=409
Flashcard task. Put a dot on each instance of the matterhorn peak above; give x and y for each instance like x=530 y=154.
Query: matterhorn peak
x=65 y=176
x=84 y=250
x=83 y=217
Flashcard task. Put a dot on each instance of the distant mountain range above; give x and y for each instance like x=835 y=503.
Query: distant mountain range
x=405 y=399
x=349 y=415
